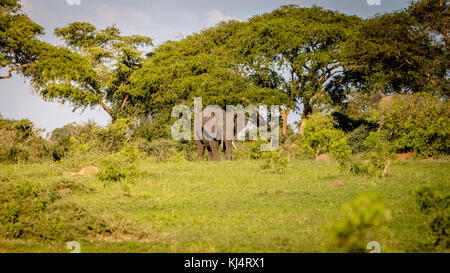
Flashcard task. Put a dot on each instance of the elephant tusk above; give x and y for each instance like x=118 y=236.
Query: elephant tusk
x=234 y=146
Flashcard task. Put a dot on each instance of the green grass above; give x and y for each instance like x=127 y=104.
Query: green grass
x=239 y=207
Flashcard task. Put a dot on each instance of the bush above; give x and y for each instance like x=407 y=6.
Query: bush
x=120 y=167
x=114 y=136
x=40 y=213
x=320 y=137
x=274 y=161
x=21 y=142
x=161 y=149
x=437 y=206
x=255 y=151
x=356 y=138
x=362 y=217
x=418 y=123
x=375 y=160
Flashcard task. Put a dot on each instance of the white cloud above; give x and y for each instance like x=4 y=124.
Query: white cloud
x=110 y=14
x=216 y=16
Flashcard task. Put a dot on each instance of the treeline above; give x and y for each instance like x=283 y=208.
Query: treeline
x=312 y=61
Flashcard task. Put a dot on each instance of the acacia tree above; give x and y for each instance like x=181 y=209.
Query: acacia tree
x=200 y=65
x=19 y=44
x=92 y=69
x=297 y=52
x=434 y=15
x=396 y=52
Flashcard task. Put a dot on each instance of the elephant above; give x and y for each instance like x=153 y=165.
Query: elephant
x=212 y=132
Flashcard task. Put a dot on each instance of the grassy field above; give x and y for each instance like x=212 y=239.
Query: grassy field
x=238 y=206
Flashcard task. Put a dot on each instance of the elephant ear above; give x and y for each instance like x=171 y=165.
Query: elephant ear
x=235 y=122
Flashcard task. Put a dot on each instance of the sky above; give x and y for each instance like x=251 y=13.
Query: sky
x=159 y=19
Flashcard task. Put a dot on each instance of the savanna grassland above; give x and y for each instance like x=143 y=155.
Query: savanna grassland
x=230 y=206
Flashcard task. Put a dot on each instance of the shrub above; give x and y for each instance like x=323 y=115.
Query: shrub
x=274 y=161
x=437 y=206
x=419 y=123
x=114 y=136
x=356 y=138
x=362 y=217
x=161 y=149
x=255 y=151
x=40 y=213
x=320 y=137
x=120 y=167
x=21 y=142
x=375 y=160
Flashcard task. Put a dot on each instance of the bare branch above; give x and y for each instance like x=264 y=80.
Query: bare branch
x=14 y=69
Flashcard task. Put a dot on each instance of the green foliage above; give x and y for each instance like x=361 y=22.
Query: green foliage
x=255 y=151
x=376 y=158
x=303 y=43
x=161 y=149
x=120 y=167
x=356 y=138
x=320 y=137
x=394 y=53
x=113 y=137
x=433 y=16
x=19 y=37
x=274 y=161
x=40 y=213
x=419 y=123
x=363 y=216
x=93 y=69
x=201 y=65
x=20 y=142
x=437 y=206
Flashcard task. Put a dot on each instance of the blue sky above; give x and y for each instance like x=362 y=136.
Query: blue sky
x=161 y=20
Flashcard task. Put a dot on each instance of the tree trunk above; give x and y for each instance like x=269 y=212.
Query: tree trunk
x=284 y=115
x=307 y=110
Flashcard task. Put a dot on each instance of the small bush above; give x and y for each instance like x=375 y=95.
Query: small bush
x=376 y=159
x=274 y=161
x=363 y=216
x=320 y=137
x=120 y=167
x=437 y=206
x=114 y=136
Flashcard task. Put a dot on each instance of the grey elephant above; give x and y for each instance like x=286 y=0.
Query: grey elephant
x=215 y=127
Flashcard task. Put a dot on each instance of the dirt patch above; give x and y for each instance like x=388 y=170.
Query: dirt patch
x=324 y=157
x=65 y=191
x=87 y=170
x=405 y=156
x=337 y=183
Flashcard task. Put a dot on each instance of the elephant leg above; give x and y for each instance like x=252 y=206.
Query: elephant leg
x=209 y=152
x=200 y=150
x=228 y=146
x=214 y=150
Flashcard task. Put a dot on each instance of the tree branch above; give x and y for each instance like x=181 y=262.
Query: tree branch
x=124 y=101
x=106 y=108
x=14 y=69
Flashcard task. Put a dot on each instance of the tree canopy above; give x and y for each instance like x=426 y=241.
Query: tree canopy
x=19 y=43
x=93 y=68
